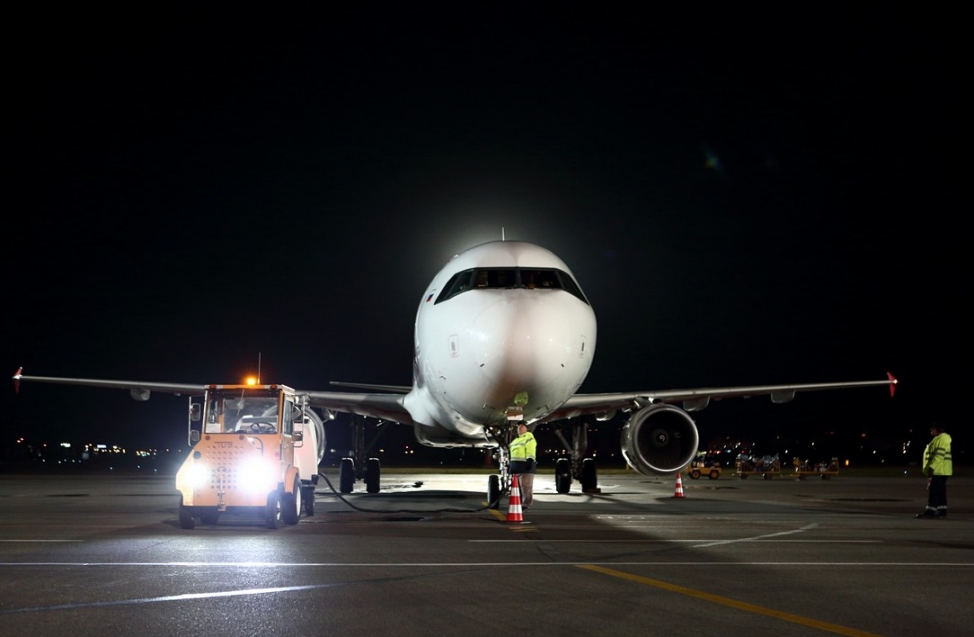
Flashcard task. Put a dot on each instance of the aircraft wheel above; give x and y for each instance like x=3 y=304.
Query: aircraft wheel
x=590 y=480
x=563 y=475
x=346 y=476
x=308 y=498
x=494 y=491
x=186 y=519
x=272 y=512
x=372 y=473
x=209 y=516
x=291 y=504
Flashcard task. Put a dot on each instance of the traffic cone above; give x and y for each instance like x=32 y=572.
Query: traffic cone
x=514 y=504
x=679 y=487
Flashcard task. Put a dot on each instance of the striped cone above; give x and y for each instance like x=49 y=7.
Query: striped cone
x=679 y=487
x=514 y=504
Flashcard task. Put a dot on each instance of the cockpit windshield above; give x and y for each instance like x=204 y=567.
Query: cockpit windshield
x=253 y=412
x=508 y=279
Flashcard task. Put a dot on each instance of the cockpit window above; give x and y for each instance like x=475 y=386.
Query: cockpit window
x=510 y=278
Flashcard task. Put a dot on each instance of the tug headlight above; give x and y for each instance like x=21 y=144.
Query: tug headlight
x=198 y=475
x=256 y=476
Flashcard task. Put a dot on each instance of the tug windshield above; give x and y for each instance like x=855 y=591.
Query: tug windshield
x=245 y=411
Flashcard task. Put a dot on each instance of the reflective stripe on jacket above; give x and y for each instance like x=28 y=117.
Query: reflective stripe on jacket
x=524 y=447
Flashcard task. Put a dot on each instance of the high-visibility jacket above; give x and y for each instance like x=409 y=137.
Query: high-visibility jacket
x=524 y=447
x=936 y=457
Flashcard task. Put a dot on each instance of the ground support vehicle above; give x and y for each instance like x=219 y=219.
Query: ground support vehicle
x=699 y=468
x=767 y=466
x=822 y=470
x=255 y=449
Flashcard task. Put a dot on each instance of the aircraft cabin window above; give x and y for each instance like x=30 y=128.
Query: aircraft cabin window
x=510 y=278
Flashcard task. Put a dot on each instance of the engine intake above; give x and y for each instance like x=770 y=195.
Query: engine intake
x=659 y=439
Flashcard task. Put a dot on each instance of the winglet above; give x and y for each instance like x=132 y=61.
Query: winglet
x=20 y=371
x=892 y=384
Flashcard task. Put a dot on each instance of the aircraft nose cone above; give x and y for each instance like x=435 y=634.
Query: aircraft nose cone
x=523 y=342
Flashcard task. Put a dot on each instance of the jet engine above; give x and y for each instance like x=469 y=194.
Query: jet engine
x=659 y=439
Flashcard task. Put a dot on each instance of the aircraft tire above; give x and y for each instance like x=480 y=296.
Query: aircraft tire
x=373 y=471
x=563 y=475
x=346 y=476
x=590 y=478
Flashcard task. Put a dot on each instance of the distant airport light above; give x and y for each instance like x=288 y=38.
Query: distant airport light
x=251 y=380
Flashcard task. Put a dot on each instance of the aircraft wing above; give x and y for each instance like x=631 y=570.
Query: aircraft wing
x=388 y=404
x=697 y=399
x=140 y=390
x=385 y=406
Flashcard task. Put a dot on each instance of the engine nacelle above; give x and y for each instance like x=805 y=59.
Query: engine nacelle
x=659 y=439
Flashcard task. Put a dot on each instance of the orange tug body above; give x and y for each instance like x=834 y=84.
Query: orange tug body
x=255 y=451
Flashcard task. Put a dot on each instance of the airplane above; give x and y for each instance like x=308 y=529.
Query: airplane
x=503 y=334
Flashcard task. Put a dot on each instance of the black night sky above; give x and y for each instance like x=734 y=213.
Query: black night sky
x=746 y=195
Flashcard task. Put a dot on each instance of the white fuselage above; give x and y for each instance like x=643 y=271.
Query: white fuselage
x=480 y=347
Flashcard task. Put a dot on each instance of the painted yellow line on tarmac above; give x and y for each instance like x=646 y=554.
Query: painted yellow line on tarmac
x=726 y=601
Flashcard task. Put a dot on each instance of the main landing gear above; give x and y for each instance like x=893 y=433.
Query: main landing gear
x=358 y=467
x=577 y=467
x=348 y=474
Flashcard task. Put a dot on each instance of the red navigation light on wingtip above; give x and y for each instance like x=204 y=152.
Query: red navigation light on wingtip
x=892 y=384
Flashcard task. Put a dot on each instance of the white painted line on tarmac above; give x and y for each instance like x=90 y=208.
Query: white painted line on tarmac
x=15 y=541
x=734 y=564
x=807 y=527
x=169 y=598
x=761 y=540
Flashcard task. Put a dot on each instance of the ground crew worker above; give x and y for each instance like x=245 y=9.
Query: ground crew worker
x=937 y=466
x=524 y=462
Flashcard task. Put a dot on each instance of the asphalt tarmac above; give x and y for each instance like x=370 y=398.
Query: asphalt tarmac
x=104 y=555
